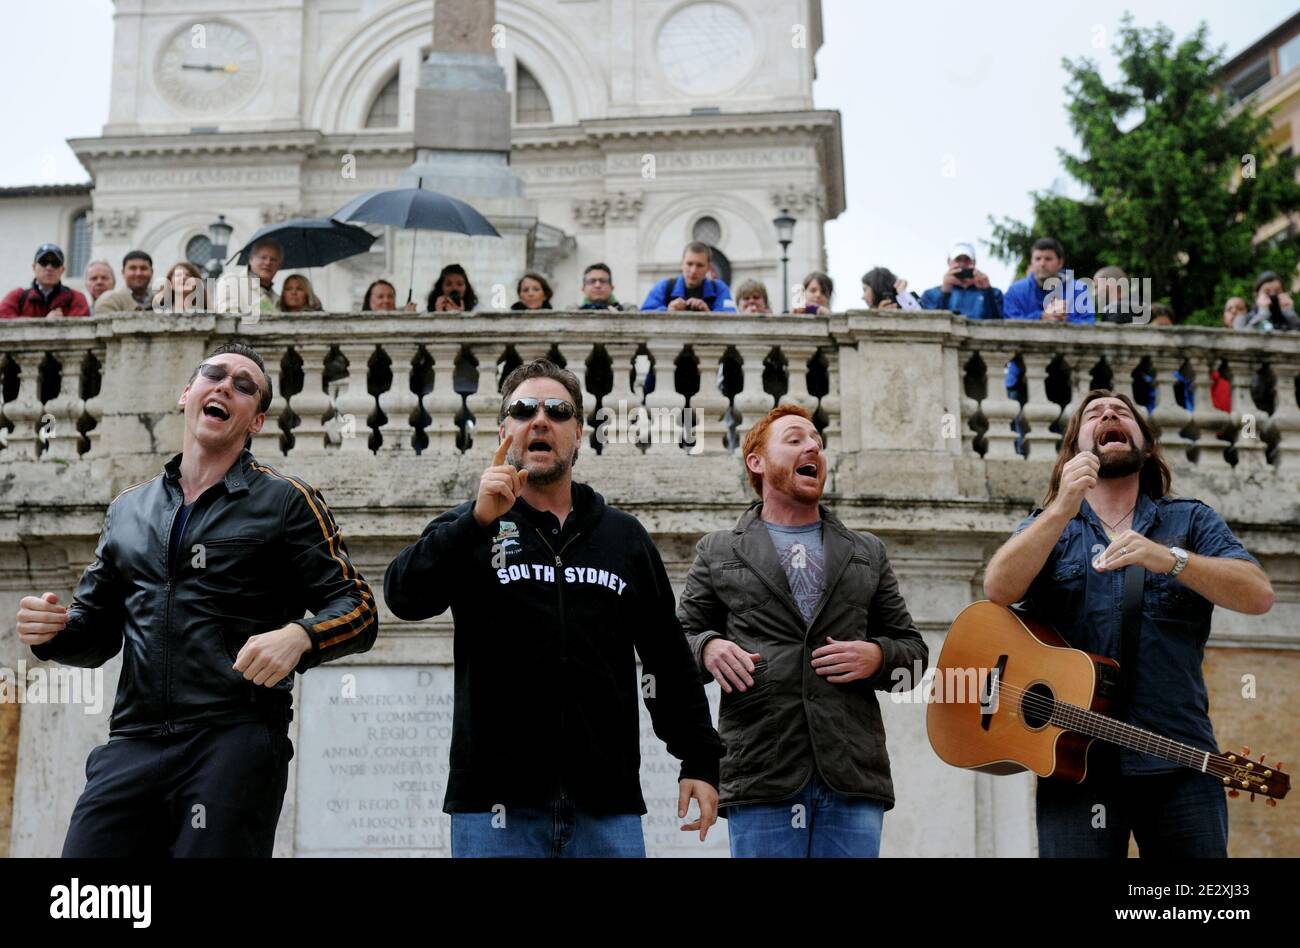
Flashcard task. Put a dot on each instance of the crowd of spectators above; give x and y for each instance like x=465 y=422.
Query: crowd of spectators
x=1049 y=291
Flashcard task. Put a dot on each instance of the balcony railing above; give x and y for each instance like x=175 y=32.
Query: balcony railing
x=422 y=386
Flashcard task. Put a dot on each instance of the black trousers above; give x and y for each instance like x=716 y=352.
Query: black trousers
x=215 y=791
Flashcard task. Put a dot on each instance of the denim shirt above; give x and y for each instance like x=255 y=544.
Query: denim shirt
x=1168 y=695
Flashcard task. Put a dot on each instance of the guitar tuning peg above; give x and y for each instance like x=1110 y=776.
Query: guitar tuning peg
x=1261 y=758
x=1234 y=793
x=1252 y=798
x=1272 y=802
x=1245 y=751
x=1277 y=765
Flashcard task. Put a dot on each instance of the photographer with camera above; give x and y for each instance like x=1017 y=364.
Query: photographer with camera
x=452 y=292
x=1273 y=306
x=964 y=290
x=882 y=289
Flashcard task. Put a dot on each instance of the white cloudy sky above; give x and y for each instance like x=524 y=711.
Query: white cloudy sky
x=920 y=83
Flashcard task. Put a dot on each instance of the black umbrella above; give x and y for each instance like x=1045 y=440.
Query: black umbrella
x=309 y=242
x=416 y=209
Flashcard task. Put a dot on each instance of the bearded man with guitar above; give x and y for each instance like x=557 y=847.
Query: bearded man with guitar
x=1108 y=514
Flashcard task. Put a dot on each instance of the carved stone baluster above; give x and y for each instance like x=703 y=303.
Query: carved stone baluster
x=829 y=404
x=266 y=443
x=1249 y=419
x=752 y=403
x=1040 y=411
x=664 y=406
x=1169 y=418
x=59 y=414
x=399 y=402
x=311 y=404
x=442 y=403
x=1000 y=409
x=1209 y=420
x=486 y=402
x=622 y=405
x=1286 y=414
x=25 y=410
x=708 y=404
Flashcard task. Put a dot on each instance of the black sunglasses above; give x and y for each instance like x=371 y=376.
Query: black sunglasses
x=243 y=383
x=557 y=409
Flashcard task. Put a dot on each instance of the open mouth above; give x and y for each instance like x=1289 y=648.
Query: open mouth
x=540 y=447
x=216 y=411
x=807 y=470
x=1112 y=436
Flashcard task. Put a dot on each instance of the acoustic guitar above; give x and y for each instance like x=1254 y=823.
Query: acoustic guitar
x=1009 y=695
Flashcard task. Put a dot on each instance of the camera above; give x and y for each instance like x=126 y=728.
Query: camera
x=965 y=273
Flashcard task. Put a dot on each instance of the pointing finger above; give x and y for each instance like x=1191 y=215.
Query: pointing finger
x=500 y=457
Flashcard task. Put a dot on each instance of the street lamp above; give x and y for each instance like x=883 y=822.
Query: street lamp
x=219 y=237
x=784 y=236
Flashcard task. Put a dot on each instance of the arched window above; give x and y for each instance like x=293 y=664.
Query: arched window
x=383 y=112
x=198 y=250
x=79 y=242
x=531 y=104
x=707 y=230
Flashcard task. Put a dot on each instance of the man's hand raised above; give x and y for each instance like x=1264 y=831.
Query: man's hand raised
x=1077 y=478
x=499 y=487
x=40 y=619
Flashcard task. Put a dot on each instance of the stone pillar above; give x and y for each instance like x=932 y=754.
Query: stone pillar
x=462 y=141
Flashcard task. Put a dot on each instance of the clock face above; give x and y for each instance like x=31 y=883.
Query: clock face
x=705 y=48
x=210 y=66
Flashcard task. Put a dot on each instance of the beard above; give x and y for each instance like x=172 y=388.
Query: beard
x=545 y=476
x=783 y=482
x=1120 y=465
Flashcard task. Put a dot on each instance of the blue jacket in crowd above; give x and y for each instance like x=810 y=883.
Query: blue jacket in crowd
x=714 y=292
x=1024 y=300
x=965 y=301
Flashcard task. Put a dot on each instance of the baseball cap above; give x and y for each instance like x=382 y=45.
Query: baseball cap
x=962 y=248
x=50 y=249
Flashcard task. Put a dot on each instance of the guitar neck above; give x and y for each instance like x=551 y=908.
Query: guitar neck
x=1117 y=732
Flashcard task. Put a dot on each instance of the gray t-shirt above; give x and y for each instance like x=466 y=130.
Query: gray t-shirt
x=803 y=558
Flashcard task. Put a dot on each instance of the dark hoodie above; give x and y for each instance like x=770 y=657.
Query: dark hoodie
x=546 y=620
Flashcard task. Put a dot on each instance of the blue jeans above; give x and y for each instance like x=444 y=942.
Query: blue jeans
x=815 y=823
x=560 y=830
x=1181 y=815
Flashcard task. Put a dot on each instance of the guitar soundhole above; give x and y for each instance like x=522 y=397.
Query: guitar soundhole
x=1036 y=706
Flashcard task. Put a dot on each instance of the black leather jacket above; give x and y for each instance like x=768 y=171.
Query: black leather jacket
x=259 y=550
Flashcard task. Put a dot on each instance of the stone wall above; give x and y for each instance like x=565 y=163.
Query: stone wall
x=918 y=430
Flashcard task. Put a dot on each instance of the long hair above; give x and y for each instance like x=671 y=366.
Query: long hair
x=169 y=299
x=469 y=301
x=1154 y=479
x=313 y=301
x=365 y=303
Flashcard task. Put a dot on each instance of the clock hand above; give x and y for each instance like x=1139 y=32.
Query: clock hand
x=229 y=67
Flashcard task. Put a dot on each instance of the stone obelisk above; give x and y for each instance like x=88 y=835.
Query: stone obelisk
x=462 y=141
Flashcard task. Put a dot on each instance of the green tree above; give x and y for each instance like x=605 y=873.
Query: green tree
x=1178 y=179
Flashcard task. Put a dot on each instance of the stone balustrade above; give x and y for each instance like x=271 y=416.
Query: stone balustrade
x=392 y=417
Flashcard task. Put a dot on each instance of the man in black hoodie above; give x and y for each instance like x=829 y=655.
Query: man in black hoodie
x=551 y=590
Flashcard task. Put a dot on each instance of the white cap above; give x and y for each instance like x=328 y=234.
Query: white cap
x=960 y=248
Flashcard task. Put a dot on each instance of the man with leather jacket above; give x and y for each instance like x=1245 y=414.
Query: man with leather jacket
x=202 y=577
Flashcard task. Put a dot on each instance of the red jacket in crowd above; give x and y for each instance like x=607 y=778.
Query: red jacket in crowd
x=29 y=301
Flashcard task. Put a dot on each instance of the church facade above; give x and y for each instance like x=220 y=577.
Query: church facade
x=637 y=125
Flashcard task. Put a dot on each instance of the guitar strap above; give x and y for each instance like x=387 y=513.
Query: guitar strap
x=1130 y=629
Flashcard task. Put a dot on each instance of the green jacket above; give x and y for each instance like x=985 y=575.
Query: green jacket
x=792 y=719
